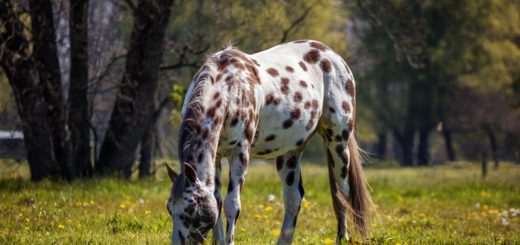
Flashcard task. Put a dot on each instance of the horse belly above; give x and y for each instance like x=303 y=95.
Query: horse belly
x=279 y=131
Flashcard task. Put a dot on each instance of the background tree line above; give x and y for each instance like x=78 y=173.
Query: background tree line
x=96 y=86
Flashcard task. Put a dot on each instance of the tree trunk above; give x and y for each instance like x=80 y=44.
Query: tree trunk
x=21 y=71
x=381 y=147
x=492 y=143
x=450 y=151
x=146 y=166
x=134 y=107
x=46 y=56
x=405 y=140
x=79 y=118
x=423 y=154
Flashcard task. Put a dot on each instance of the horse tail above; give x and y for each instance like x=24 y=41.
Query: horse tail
x=359 y=200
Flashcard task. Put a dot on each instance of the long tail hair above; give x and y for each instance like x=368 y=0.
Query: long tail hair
x=359 y=197
x=358 y=201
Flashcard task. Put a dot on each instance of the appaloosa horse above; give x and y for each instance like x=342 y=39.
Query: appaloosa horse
x=266 y=105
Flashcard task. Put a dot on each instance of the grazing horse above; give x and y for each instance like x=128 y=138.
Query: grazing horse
x=265 y=105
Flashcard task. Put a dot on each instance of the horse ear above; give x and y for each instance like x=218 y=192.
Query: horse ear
x=171 y=173
x=190 y=173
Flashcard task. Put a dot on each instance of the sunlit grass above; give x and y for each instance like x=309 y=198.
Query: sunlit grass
x=446 y=204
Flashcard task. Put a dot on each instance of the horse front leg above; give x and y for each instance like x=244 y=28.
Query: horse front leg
x=288 y=167
x=237 y=175
x=218 y=229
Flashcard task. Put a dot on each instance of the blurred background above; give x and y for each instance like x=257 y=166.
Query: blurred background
x=94 y=87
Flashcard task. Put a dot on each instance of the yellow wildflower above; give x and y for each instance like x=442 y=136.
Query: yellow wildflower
x=122 y=205
x=147 y=212
x=61 y=226
x=268 y=208
x=27 y=220
x=275 y=233
x=306 y=205
x=328 y=241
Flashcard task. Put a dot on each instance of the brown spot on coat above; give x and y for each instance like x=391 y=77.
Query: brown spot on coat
x=325 y=65
x=298 y=97
x=314 y=104
x=307 y=105
x=285 y=86
x=277 y=101
x=249 y=133
x=289 y=180
x=345 y=105
x=242 y=158
x=309 y=125
x=292 y=162
x=234 y=121
x=340 y=150
x=273 y=72
x=287 y=123
x=279 y=163
x=295 y=113
x=289 y=69
x=302 y=65
x=216 y=95
x=318 y=45
x=270 y=137
x=303 y=83
x=269 y=98
x=211 y=112
x=345 y=134
x=312 y=56
x=349 y=86
x=344 y=171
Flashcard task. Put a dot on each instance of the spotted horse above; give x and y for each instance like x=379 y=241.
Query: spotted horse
x=265 y=105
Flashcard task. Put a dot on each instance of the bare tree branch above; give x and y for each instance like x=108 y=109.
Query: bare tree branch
x=296 y=22
x=183 y=62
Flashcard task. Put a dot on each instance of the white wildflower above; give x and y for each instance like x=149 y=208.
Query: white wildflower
x=270 y=197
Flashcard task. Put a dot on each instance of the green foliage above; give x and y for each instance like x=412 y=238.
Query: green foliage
x=201 y=27
x=446 y=204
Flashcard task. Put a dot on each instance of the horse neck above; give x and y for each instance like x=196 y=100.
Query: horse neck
x=205 y=111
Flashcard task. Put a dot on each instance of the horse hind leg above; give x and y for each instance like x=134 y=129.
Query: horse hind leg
x=335 y=130
x=288 y=167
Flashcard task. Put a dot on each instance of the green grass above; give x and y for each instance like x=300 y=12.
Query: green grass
x=445 y=204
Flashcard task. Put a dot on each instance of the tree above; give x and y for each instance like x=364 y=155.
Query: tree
x=22 y=73
x=449 y=47
x=134 y=105
x=79 y=116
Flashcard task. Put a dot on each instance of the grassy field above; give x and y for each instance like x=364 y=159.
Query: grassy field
x=436 y=205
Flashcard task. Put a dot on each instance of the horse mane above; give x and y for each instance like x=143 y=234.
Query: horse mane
x=192 y=114
x=194 y=109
